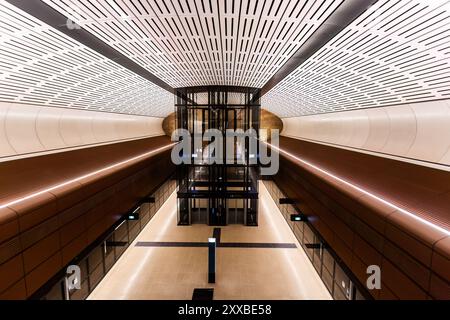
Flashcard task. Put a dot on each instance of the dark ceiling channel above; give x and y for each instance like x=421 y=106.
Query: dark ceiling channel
x=344 y=15
x=53 y=18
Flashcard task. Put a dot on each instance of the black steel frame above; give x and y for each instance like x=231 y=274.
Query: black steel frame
x=217 y=183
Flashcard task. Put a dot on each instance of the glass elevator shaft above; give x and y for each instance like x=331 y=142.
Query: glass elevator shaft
x=226 y=192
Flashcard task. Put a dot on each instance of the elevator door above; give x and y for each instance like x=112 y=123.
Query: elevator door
x=199 y=211
x=236 y=211
x=217 y=212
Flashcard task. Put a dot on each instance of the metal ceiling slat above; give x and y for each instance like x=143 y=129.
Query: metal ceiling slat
x=315 y=58
x=58 y=21
x=62 y=72
x=347 y=12
x=371 y=63
x=217 y=63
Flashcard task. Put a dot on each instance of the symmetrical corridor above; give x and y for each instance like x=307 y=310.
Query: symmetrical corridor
x=146 y=272
x=225 y=150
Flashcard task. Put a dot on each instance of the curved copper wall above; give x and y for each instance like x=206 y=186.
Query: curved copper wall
x=374 y=211
x=270 y=121
x=53 y=206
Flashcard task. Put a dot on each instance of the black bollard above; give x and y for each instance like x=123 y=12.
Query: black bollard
x=212 y=260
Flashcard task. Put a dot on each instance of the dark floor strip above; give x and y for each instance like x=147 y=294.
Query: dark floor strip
x=172 y=244
x=258 y=245
x=220 y=245
x=216 y=234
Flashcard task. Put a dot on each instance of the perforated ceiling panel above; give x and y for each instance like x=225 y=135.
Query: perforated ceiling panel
x=39 y=65
x=233 y=98
x=202 y=42
x=396 y=52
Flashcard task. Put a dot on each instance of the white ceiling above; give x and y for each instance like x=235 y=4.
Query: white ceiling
x=396 y=52
x=202 y=42
x=39 y=65
x=232 y=98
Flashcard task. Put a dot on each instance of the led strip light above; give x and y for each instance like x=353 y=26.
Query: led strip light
x=371 y=195
x=91 y=174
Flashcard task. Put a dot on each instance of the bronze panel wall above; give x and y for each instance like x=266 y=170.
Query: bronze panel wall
x=414 y=258
x=40 y=235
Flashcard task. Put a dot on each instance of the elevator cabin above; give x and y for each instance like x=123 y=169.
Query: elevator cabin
x=218 y=194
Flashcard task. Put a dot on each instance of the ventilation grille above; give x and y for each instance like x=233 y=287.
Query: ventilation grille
x=396 y=52
x=202 y=42
x=39 y=65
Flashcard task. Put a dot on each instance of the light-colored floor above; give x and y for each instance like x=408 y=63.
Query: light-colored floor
x=242 y=273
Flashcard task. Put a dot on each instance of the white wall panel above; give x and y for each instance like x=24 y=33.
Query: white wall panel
x=379 y=128
x=446 y=157
x=103 y=127
x=48 y=128
x=5 y=146
x=75 y=128
x=402 y=131
x=20 y=125
x=360 y=129
x=419 y=131
x=27 y=130
x=432 y=138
